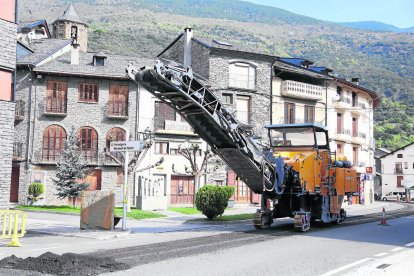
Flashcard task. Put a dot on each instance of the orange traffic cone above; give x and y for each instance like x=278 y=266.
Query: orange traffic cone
x=383 y=219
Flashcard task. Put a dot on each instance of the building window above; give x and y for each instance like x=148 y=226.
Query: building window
x=398 y=168
x=309 y=114
x=53 y=143
x=88 y=92
x=289 y=113
x=56 y=92
x=74 y=33
x=338 y=123
x=161 y=147
x=354 y=127
x=89 y=143
x=355 y=155
x=174 y=151
x=399 y=155
x=400 y=178
x=120 y=176
x=163 y=112
x=243 y=108
x=219 y=182
x=118 y=100
x=227 y=98
x=354 y=99
x=406 y=165
x=339 y=149
x=114 y=134
x=242 y=75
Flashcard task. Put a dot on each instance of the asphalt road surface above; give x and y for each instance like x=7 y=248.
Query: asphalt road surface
x=325 y=250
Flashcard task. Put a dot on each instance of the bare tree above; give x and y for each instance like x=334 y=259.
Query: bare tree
x=192 y=154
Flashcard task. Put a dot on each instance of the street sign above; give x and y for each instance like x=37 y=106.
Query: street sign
x=126 y=146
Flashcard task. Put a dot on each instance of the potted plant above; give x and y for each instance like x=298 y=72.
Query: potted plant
x=36 y=189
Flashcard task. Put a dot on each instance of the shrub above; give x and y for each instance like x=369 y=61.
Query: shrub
x=211 y=200
x=229 y=190
x=35 y=190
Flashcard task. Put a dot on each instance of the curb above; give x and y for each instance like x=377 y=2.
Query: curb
x=86 y=234
x=47 y=212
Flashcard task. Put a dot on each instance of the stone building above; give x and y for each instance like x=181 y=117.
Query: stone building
x=7 y=106
x=59 y=88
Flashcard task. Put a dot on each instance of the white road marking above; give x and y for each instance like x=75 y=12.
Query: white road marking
x=397 y=249
x=38 y=249
x=345 y=267
x=381 y=254
x=410 y=244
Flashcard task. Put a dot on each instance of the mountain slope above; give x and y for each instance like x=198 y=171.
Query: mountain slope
x=376 y=26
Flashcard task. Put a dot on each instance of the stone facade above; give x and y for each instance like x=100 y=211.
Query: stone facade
x=62 y=29
x=8 y=44
x=6 y=150
x=79 y=114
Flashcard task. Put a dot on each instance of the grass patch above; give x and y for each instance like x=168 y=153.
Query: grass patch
x=134 y=214
x=185 y=210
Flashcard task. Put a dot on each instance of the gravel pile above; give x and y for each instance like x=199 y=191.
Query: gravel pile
x=66 y=264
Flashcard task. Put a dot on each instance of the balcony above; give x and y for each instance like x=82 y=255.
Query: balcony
x=359 y=108
x=55 y=106
x=92 y=157
x=343 y=135
x=359 y=138
x=17 y=151
x=343 y=102
x=302 y=90
x=398 y=170
x=19 y=110
x=53 y=157
x=173 y=127
x=117 y=110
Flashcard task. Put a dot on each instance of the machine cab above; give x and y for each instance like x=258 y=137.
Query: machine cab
x=292 y=137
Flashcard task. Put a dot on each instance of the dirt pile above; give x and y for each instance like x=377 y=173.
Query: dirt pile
x=66 y=264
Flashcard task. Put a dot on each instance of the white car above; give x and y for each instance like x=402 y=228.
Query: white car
x=394 y=196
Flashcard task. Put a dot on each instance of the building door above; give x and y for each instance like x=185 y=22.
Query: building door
x=339 y=123
x=242 y=109
x=354 y=127
x=94 y=180
x=400 y=178
x=14 y=187
x=242 y=193
x=182 y=189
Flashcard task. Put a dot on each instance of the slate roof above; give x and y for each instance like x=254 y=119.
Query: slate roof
x=22 y=50
x=70 y=14
x=42 y=49
x=115 y=66
x=32 y=24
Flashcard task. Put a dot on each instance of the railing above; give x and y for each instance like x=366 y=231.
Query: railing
x=53 y=157
x=118 y=109
x=91 y=156
x=398 y=171
x=108 y=161
x=359 y=134
x=343 y=131
x=283 y=120
x=17 y=150
x=55 y=105
x=19 y=111
x=302 y=90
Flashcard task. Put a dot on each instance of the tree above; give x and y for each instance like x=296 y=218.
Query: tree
x=191 y=153
x=72 y=167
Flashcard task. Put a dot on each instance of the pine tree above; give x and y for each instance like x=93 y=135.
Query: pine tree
x=71 y=168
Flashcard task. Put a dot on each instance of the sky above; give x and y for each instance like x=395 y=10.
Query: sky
x=399 y=13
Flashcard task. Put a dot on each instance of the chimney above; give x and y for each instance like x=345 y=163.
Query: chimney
x=188 y=35
x=74 y=54
x=355 y=80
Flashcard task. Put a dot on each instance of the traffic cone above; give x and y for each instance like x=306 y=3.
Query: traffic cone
x=383 y=219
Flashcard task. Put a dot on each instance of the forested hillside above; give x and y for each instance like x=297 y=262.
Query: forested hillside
x=384 y=61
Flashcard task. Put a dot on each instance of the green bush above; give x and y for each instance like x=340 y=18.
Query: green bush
x=212 y=200
x=35 y=190
x=229 y=190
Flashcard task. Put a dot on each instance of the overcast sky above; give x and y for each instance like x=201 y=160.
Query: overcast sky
x=399 y=13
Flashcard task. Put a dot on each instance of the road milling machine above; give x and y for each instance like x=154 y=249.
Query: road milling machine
x=296 y=174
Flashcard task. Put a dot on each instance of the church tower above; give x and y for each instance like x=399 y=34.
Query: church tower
x=70 y=26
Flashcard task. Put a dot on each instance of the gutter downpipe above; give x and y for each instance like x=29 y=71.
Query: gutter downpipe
x=16 y=19
x=29 y=118
x=271 y=91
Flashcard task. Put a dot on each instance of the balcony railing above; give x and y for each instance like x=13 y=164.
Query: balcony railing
x=55 y=106
x=359 y=134
x=53 y=157
x=398 y=171
x=302 y=90
x=91 y=156
x=343 y=131
x=118 y=109
x=108 y=161
x=17 y=150
x=19 y=110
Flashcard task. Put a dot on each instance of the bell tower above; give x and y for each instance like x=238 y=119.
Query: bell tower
x=70 y=26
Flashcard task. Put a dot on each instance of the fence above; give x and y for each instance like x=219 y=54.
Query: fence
x=10 y=221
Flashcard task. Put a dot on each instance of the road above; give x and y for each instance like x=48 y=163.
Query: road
x=325 y=250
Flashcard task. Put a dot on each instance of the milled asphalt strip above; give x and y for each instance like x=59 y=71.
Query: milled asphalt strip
x=345 y=267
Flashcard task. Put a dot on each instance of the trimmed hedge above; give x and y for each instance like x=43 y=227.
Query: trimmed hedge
x=36 y=189
x=212 y=200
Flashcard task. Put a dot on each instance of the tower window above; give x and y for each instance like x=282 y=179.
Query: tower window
x=74 y=33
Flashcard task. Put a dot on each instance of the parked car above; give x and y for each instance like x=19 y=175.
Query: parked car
x=394 y=196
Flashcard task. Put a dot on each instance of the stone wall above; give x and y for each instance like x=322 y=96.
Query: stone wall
x=62 y=29
x=79 y=114
x=8 y=44
x=6 y=150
